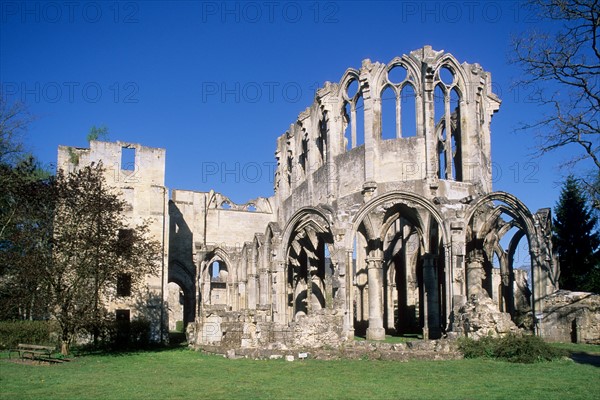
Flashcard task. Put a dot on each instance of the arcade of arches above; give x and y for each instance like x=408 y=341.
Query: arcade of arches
x=383 y=222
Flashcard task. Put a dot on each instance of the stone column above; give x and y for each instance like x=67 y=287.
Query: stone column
x=263 y=286
x=429 y=120
x=475 y=275
x=279 y=293
x=375 y=330
x=432 y=298
x=252 y=280
x=252 y=291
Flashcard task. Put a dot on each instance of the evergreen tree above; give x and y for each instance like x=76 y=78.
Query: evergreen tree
x=576 y=240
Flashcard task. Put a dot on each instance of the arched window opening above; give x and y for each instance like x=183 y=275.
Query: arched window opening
x=389 y=121
x=353 y=115
x=310 y=283
x=456 y=139
x=218 y=271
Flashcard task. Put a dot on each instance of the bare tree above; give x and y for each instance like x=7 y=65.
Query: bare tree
x=564 y=68
x=14 y=121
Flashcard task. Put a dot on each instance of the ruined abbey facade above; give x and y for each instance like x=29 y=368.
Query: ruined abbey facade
x=370 y=231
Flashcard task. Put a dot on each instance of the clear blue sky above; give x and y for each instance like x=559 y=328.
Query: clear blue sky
x=216 y=83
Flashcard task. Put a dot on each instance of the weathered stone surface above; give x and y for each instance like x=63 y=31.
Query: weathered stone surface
x=480 y=317
x=373 y=229
x=571 y=317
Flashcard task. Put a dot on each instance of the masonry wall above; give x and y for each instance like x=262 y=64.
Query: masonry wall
x=140 y=184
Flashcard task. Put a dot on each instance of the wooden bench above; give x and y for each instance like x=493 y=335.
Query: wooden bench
x=34 y=352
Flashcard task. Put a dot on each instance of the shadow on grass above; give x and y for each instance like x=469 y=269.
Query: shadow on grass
x=586 y=358
x=176 y=341
x=392 y=338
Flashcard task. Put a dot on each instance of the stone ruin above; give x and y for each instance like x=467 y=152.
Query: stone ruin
x=383 y=221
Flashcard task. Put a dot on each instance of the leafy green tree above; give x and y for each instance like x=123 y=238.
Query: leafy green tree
x=26 y=217
x=576 y=240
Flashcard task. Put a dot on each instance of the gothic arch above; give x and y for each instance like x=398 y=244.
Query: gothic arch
x=426 y=267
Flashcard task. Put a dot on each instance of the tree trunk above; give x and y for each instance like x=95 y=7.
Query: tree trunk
x=65 y=343
x=64 y=348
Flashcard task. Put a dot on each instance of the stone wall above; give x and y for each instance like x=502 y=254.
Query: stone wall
x=571 y=317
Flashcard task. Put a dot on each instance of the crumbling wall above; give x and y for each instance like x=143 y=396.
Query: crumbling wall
x=480 y=317
x=571 y=317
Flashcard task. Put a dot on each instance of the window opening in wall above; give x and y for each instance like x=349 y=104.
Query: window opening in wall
x=456 y=152
x=352 y=89
x=124 y=285
x=353 y=114
x=389 y=121
x=322 y=139
x=251 y=207
x=360 y=122
x=123 y=315
x=304 y=155
x=289 y=170
x=446 y=76
x=408 y=111
x=348 y=122
x=438 y=103
x=214 y=270
x=397 y=74
x=125 y=240
x=439 y=99
x=128 y=158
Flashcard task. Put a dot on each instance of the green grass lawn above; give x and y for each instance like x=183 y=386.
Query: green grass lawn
x=184 y=374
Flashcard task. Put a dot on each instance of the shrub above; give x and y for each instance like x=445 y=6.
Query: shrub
x=519 y=349
x=32 y=332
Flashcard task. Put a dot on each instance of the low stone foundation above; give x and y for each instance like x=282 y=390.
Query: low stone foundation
x=442 y=349
x=250 y=329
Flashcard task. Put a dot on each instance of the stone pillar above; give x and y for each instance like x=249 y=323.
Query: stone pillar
x=368 y=101
x=432 y=298
x=392 y=296
x=263 y=286
x=279 y=292
x=253 y=280
x=375 y=330
x=429 y=120
x=252 y=291
x=475 y=275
